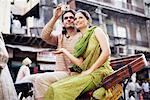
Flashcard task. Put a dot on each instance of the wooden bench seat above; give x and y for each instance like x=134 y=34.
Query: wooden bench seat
x=131 y=64
x=124 y=67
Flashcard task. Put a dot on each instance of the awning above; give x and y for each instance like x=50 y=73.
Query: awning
x=23 y=7
x=28 y=48
x=22 y=40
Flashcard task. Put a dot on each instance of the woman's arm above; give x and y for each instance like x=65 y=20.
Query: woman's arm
x=74 y=60
x=104 y=44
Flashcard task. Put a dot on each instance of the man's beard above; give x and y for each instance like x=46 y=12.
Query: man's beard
x=70 y=27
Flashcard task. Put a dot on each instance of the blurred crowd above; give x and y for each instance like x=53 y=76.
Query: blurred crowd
x=138 y=90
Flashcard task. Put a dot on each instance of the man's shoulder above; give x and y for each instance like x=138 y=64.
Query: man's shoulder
x=79 y=33
x=24 y=67
x=60 y=36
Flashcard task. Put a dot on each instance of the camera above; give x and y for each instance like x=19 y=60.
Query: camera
x=65 y=7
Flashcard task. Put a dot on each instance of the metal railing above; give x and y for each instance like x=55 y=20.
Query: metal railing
x=115 y=41
x=121 y=4
x=138 y=43
x=36 y=31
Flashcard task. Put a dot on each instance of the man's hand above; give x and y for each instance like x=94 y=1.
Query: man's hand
x=58 y=11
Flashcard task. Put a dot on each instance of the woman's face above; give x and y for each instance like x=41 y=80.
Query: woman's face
x=80 y=21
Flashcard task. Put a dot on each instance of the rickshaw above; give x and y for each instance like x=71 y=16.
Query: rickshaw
x=124 y=68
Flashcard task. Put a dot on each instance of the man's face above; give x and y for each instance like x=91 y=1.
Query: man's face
x=68 y=20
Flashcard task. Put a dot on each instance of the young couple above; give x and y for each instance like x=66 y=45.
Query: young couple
x=85 y=53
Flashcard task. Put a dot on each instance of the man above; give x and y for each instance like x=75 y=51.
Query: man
x=7 y=89
x=145 y=87
x=67 y=40
x=24 y=70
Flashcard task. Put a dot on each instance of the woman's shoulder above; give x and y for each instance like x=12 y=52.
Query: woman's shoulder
x=24 y=67
x=99 y=32
x=98 y=28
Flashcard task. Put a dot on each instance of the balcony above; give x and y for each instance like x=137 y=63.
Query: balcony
x=133 y=8
x=36 y=31
x=118 y=41
x=105 y=1
x=120 y=5
x=137 y=43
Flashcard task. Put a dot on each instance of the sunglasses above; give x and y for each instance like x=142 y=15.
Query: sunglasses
x=70 y=17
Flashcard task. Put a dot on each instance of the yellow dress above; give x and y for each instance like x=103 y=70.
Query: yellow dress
x=70 y=88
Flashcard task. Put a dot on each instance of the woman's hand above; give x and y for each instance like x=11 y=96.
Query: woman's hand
x=74 y=60
x=59 y=51
x=87 y=72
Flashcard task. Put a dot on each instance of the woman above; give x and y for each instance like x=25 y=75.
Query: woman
x=91 y=58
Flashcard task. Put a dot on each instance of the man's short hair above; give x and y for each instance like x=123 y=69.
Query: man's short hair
x=71 y=11
x=64 y=31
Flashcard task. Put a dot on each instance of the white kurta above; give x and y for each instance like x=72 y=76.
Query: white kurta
x=24 y=71
x=145 y=87
x=7 y=90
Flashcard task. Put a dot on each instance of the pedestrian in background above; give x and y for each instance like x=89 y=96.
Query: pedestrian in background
x=7 y=89
x=24 y=70
x=145 y=87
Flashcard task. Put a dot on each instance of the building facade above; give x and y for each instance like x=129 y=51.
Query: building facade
x=127 y=22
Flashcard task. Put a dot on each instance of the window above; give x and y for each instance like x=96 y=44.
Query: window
x=121 y=50
x=121 y=32
x=138 y=34
x=110 y=30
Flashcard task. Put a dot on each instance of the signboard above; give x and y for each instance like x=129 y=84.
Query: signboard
x=47 y=66
x=46 y=56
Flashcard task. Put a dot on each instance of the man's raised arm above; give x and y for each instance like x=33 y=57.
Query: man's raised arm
x=49 y=27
